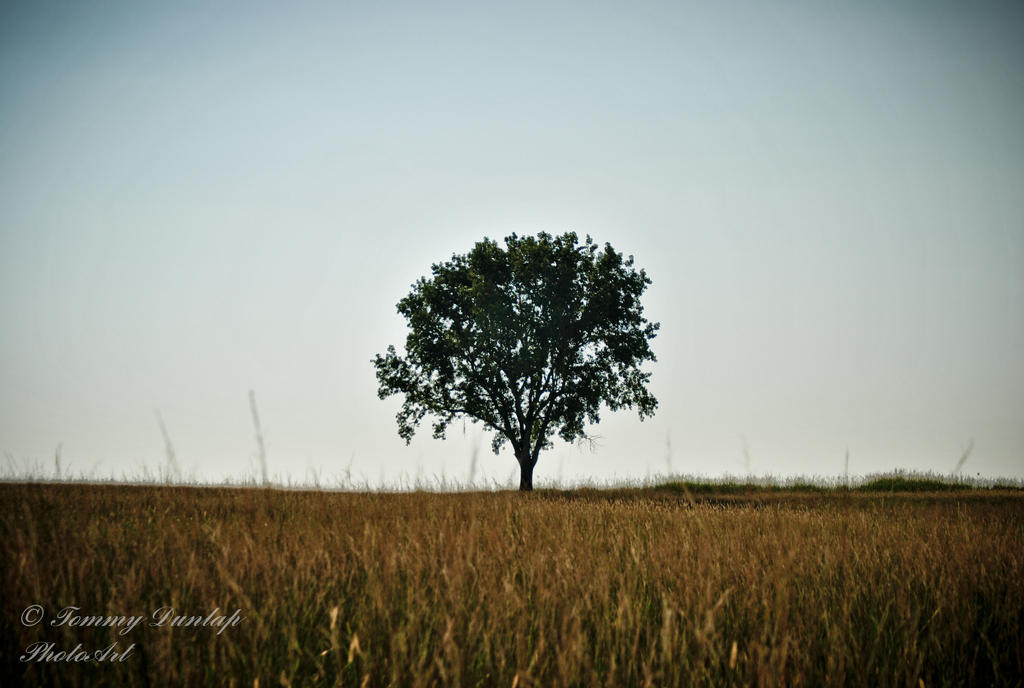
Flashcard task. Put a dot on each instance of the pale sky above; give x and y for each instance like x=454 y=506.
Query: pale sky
x=202 y=198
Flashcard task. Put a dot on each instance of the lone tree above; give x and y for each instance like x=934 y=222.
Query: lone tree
x=529 y=340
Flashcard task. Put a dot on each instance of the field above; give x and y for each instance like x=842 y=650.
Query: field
x=663 y=587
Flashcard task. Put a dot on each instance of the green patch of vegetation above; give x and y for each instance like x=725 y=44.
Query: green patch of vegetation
x=732 y=488
x=899 y=483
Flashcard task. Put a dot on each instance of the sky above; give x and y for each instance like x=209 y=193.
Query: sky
x=198 y=199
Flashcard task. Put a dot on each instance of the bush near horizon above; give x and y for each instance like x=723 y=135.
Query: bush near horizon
x=895 y=481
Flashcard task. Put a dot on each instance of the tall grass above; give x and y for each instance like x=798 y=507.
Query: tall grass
x=592 y=587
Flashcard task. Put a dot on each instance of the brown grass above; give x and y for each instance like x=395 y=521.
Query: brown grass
x=593 y=588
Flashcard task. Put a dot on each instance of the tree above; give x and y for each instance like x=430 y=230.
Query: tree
x=529 y=340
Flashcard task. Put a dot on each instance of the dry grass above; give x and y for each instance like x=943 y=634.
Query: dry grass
x=616 y=588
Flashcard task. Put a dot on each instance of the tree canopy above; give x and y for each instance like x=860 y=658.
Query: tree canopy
x=530 y=340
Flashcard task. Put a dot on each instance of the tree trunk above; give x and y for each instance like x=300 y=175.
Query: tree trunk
x=526 y=464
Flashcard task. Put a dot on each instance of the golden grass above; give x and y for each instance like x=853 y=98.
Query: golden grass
x=623 y=588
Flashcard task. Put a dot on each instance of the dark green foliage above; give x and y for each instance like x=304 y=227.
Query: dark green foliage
x=530 y=340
